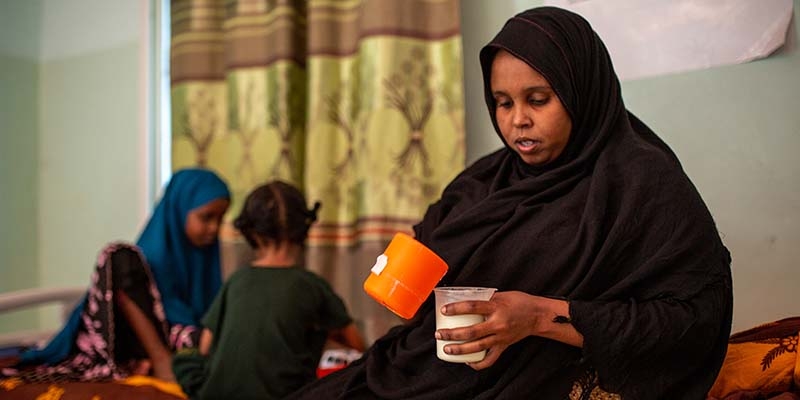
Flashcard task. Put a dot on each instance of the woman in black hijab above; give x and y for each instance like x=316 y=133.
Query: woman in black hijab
x=612 y=278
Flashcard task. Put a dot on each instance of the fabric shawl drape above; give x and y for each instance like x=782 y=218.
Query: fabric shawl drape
x=357 y=102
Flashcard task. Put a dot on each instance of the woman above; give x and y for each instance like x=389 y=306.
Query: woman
x=145 y=300
x=613 y=281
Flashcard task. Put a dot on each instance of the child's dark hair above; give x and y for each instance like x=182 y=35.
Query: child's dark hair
x=275 y=211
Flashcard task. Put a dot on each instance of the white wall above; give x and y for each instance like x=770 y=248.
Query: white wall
x=736 y=130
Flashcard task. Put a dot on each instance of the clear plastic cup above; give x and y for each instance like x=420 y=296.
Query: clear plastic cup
x=447 y=295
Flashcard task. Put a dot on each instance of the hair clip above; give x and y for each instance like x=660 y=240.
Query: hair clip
x=312 y=213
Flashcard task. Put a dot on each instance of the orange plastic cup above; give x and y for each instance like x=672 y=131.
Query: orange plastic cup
x=404 y=275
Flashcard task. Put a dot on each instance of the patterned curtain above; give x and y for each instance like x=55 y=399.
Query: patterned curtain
x=358 y=102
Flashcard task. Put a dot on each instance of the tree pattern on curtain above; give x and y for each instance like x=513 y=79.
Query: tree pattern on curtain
x=358 y=102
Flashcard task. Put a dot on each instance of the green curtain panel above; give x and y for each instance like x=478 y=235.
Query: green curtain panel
x=358 y=102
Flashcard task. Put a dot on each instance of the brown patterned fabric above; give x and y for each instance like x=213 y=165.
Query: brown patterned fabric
x=357 y=102
x=11 y=390
x=588 y=388
x=212 y=37
x=762 y=362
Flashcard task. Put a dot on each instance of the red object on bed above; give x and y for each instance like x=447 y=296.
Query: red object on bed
x=333 y=360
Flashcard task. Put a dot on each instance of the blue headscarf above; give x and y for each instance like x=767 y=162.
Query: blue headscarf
x=188 y=277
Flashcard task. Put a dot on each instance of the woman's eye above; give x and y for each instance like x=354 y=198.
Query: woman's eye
x=503 y=104
x=539 y=101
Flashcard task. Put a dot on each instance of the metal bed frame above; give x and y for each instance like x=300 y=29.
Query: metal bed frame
x=64 y=297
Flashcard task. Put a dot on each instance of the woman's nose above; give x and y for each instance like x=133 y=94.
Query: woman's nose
x=214 y=227
x=520 y=118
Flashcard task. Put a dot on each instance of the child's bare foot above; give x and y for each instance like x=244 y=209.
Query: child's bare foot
x=143 y=367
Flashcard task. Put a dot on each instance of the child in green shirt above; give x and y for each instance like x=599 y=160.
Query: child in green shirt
x=265 y=331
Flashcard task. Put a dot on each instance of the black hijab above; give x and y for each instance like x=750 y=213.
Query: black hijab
x=613 y=225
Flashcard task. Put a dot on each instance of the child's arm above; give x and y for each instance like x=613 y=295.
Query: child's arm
x=190 y=371
x=348 y=336
x=205 y=341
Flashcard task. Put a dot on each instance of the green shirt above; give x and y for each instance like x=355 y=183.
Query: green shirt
x=269 y=327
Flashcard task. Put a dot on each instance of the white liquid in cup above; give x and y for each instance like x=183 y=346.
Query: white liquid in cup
x=447 y=295
x=456 y=321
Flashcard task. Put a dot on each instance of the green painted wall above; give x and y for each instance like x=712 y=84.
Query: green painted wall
x=90 y=183
x=73 y=150
x=736 y=130
x=19 y=82
x=18 y=182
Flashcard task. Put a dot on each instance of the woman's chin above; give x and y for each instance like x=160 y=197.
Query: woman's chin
x=203 y=242
x=533 y=159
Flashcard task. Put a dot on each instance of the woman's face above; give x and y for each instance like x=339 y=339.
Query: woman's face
x=202 y=223
x=531 y=118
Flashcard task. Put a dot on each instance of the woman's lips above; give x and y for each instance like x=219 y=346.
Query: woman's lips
x=526 y=145
x=209 y=240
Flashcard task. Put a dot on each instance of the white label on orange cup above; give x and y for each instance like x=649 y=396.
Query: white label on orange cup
x=380 y=264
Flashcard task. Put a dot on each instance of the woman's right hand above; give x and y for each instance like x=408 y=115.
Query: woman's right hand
x=510 y=317
x=205 y=342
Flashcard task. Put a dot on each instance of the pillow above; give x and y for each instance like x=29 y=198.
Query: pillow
x=761 y=362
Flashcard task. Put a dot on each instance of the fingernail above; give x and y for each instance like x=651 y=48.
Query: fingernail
x=438 y=335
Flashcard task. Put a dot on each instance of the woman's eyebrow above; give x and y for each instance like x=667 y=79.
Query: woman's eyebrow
x=536 y=88
x=539 y=88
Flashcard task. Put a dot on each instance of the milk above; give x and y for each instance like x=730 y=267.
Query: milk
x=454 y=294
x=456 y=321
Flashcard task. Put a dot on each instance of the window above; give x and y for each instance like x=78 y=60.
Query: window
x=161 y=121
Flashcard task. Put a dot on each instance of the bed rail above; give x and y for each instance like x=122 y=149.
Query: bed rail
x=64 y=297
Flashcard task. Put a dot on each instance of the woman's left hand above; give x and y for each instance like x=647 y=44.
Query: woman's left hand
x=510 y=317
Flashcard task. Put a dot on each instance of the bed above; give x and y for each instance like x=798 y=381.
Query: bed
x=65 y=298
x=762 y=362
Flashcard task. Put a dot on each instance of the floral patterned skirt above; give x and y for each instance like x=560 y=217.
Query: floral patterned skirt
x=105 y=346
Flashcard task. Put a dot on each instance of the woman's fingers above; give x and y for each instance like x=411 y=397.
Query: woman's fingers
x=492 y=355
x=466 y=347
x=508 y=319
x=493 y=351
x=468 y=307
x=471 y=332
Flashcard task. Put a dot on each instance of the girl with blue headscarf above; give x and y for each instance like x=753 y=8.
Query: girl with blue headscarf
x=147 y=299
